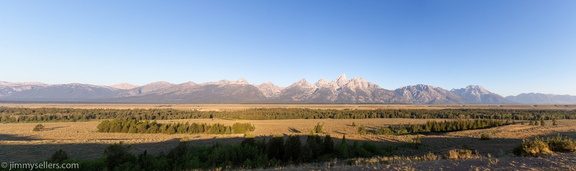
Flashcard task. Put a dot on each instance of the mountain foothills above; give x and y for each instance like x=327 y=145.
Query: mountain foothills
x=341 y=90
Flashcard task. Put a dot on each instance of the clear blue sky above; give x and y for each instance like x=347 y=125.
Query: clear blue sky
x=507 y=46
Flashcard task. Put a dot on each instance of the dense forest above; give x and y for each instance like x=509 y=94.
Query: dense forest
x=134 y=126
x=435 y=127
x=251 y=153
x=9 y=115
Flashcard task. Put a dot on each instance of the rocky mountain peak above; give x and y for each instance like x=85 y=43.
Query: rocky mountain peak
x=124 y=86
x=240 y=81
x=341 y=81
x=474 y=90
x=269 y=89
x=321 y=82
x=302 y=82
x=417 y=87
x=478 y=95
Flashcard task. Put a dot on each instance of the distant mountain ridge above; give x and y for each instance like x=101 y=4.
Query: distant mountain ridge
x=340 y=90
x=539 y=98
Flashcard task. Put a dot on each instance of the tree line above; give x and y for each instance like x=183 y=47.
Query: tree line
x=11 y=114
x=249 y=154
x=436 y=127
x=135 y=126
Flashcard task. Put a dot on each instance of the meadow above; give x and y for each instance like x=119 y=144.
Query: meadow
x=82 y=141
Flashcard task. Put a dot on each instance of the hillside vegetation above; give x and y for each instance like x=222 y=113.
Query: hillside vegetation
x=11 y=114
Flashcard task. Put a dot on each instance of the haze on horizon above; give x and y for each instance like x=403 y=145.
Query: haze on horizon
x=505 y=46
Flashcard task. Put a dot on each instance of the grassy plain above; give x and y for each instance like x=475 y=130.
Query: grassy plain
x=81 y=140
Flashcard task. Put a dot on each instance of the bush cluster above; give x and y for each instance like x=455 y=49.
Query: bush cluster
x=460 y=154
x=134 y=126
x=545 y=146
x=485 y=136
x=38 y=127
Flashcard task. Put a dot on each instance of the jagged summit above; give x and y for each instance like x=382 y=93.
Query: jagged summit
x=341 y=81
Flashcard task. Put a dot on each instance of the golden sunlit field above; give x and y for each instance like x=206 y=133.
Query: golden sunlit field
x=82 y=141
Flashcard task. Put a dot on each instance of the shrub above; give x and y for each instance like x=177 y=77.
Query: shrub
x=485 y=136
x=362 y=130
x=554 y=122
x=59 y=156
x=561 y=144
x=319 y=128
x=373 y=148
x=532 y=148
x=459 y=154
x=430 y=157
x=544 y=146
x=240 y=128
x=38 y=127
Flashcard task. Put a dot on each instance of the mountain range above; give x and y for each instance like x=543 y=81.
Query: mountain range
x=340 y=90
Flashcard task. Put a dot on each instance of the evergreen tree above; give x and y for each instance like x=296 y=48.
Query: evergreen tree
x=342 y=149
x=276 y=148
x=328 y=145
x=118 y=154
x=293 y=149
